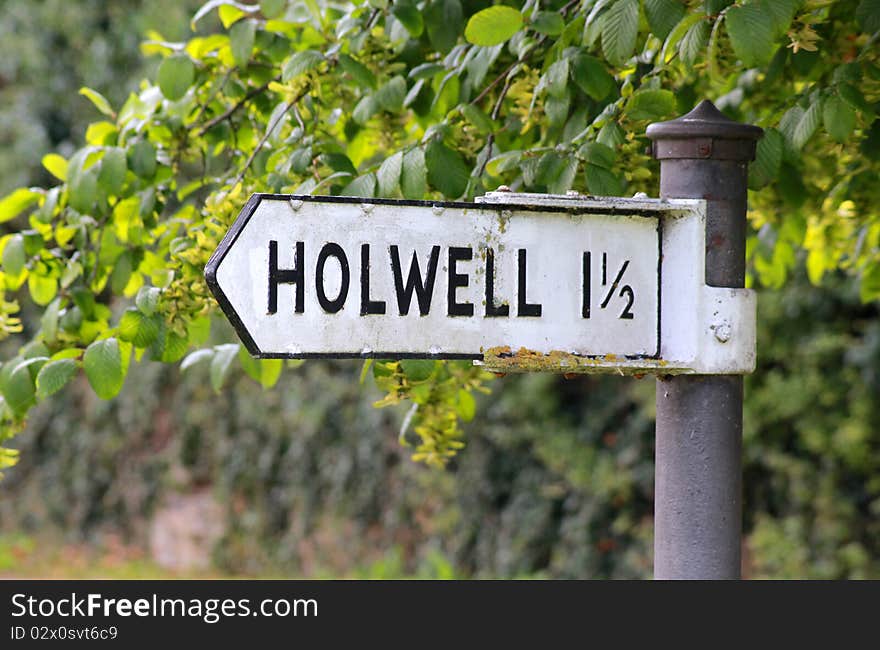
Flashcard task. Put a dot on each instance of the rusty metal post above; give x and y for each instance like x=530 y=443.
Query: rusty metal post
x=698 y=475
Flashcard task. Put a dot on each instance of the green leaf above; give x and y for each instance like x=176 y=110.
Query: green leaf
x=18 y=389
x=242 y=36
x=142 y=159
x=365 y=109
x=176 y=75
x=715 y=6
x=693 y=43
x=663 y=16
x=556 y=78
x=358 y=71
x=493 y=25
x=199 y=330
x=478 y=118
x=270 y=371
x=42 y=288
x=546 y=22
x=868 y=16
x=147 y=300
x=410 y=17
x=466 y=405
x=564 y=175
x=426 y=70
x=839 y=118
x=365 y=369
x=444 y=20
x=83 y=188
x=620 y=28
x=791 y=185
x=233 y=11
x=300 y=63
x=751 y=34
x=597 y=153
x=273 y=8
x=869 y=287
x=14 y=256
x=390 y=95
x=67 y=353
x=768 y=158
x=807 y=125
x=221 y=363
x=591 y=75
x=339 y=162
x=104 y=368
x=413 y=174
x=417 y=370
x=503 y=162
x=56 y=165
x=363 y=186
x=49 y=321
x=49 y=207
x=529 y=169
x=389 y=175
x=447 y=171
x=678 y=33
x=781 y=13
x=35 y=350
x=264 y=371
x=650 y=104
x=54 y=376
x=196 y=358
x=602 y=182
x=556 y=108
x=98 y=100
x=17 y=202
x=854 y=97
x=138 y=328
x=111 y=175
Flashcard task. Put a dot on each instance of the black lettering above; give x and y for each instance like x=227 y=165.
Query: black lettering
x=627 y=311
x=615 y=283
x=368 y=306
x=424 y=289
x=588 y=279
x=332 y=250
x=286 y=276
x=524 y=308
x=458 y=254
x=492 y=309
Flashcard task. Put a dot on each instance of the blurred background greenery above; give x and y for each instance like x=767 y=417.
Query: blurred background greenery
x=308 y=480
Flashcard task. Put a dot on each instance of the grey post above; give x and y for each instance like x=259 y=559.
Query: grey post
x=698 y=475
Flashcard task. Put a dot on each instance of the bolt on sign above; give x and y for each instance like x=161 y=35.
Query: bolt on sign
x=518 y=282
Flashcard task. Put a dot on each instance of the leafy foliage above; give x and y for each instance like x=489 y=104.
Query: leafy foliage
x=422 y=99
x=557 y=479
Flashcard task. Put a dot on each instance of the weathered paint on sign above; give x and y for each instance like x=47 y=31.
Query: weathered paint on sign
x=329 y=276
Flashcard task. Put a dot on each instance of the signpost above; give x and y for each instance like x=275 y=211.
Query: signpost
x=519 y=282
x=530 y=282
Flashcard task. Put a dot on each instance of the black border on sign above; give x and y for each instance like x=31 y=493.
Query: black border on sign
x=250 y=207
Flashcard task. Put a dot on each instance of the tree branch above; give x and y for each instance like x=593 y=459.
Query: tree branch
x=203 y=107
x=293 y=102
x=214 y=121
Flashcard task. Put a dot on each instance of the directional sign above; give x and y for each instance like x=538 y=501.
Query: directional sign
x=521 y=282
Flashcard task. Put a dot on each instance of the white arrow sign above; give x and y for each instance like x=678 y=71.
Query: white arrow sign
x=518 y=281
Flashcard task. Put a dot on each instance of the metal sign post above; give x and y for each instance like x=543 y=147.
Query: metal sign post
x=698 y=475
x=532 y=282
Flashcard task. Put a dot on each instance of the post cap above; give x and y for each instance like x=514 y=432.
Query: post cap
x=705 y=132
